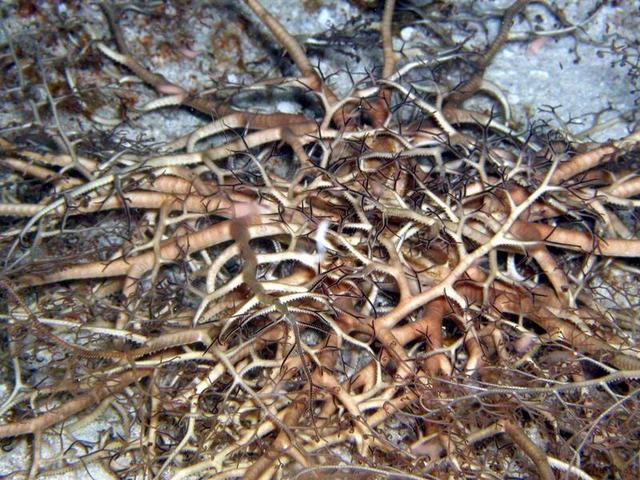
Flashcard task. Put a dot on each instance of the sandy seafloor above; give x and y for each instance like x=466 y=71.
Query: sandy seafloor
x=575 y=75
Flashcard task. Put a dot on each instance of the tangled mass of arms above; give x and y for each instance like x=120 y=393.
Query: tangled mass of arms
x=395 y=286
